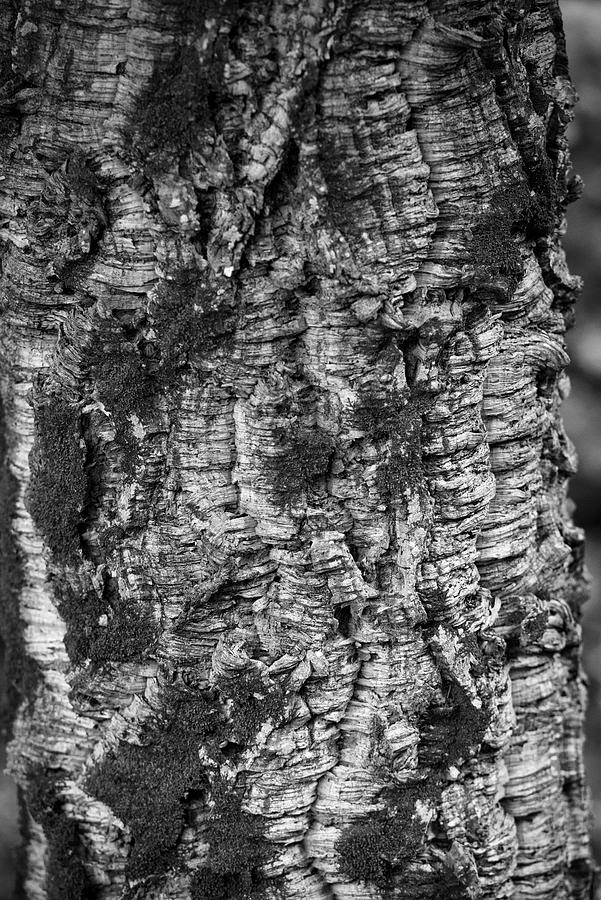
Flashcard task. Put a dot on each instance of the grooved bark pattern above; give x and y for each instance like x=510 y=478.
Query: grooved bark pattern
x=283 y=306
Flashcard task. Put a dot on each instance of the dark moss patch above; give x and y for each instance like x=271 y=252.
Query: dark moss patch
x=66 y=877
x=253 y=703
x=190 y=321
x=397 y=419
x=378 y=847
x=125 y=386
x=147 y=786
x=237 y=851
x=494 y=250
x=449 y=886
x=542 y=210
x=81 y=616
x=451 y=729
x=169 y=117
x=341 y=171
x=530 y=211
x=403 y=470
x=20 y=674
x=58 y=480
x=192 y=13
x=129 y=631
x=209 y=885
x=379 y=415
x=304 y=460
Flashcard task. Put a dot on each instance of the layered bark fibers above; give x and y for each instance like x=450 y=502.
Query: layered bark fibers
x=293 y=590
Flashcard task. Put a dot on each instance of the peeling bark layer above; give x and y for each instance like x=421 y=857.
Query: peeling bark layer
x=293 y=585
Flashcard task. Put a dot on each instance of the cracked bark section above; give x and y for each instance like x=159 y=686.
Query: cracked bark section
x=283 y=305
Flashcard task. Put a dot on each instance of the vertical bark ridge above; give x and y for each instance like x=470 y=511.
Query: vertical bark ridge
x=538 y=527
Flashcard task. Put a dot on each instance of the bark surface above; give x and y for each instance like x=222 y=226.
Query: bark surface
x=291 y=590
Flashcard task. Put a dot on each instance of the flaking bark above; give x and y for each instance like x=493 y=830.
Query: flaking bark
x=291 y=589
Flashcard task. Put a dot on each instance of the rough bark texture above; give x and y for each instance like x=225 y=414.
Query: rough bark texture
x=291 y=592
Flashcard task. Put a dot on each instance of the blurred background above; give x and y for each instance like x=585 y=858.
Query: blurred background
x=582 y=411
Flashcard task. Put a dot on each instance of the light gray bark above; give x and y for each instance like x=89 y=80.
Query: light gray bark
x=283 y=316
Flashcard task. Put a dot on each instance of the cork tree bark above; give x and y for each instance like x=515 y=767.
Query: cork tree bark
x=290 y=590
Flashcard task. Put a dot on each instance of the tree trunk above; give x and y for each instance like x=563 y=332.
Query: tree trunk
x=291 y=589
